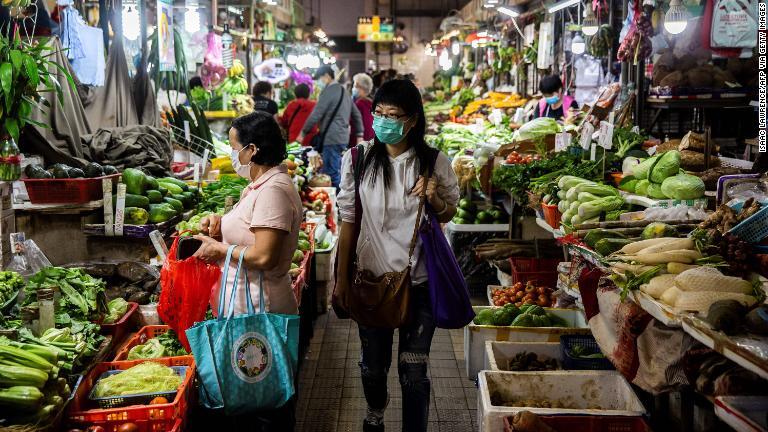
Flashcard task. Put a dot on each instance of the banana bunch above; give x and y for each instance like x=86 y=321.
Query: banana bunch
x=237 y=69
x=16 y=3
x=234 y=85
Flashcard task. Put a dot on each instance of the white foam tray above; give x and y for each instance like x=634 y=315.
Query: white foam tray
x=499 y=353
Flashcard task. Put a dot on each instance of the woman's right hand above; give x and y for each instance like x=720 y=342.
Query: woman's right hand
x=340 y=291
x=211 y=226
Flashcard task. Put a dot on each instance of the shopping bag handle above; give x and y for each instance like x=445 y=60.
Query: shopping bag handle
x=223 y=284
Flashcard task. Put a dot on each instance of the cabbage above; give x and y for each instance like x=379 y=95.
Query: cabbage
x=667 y=166
x=537 y=129
x=641 y=170
x=683 y=187
x=147 y=377
x=641 y=188
x=654 y=191
x=628 y=184
x=628 y=164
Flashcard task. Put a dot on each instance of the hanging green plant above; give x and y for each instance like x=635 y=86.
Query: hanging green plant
x=169 y=80
x=26 y=73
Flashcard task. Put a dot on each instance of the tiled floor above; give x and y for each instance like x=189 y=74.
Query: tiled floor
x=331 y=393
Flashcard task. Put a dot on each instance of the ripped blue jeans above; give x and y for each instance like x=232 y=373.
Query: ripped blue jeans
x=413 y=358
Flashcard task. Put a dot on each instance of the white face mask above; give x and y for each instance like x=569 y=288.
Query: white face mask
x=243 y=171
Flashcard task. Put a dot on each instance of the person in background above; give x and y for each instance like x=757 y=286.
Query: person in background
x=332 y=114
x=554 y=103
x=296 y=114
x=262 y=98
x=390 y=191
x=195 y=82
x=267 y=221
x=362 y=85
x=378 y=80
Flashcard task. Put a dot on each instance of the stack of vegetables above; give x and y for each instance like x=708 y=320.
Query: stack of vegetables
x=10 y=284
x=215 y=193
x=468 y=213
x=502 y=101
x=519 y=295
x=31 y=388
x=164 y=345
x=151 y=200
x=659 y=177
x=584 y=201
x=62 y=171
x=144 y=378
x=302 y=248
x=527 y=315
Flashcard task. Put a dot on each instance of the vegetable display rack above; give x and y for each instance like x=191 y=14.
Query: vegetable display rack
x=149 y=418
x=195 y=144
x=141 y=337
x=66 y=191
x=569 y=342
x=303 y=277
x=754 y=228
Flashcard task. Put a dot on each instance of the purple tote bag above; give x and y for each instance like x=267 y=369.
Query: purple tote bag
x=451 y=307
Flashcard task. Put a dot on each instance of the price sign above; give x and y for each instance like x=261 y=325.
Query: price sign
x=592 y=152
x=562 y=141
x=109 y=218
x=606 y=135
x=120 y=210
x=198 y=170
x=187 y=134
x=586 y=135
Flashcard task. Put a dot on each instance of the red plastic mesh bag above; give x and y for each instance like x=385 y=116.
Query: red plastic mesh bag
x=186 y=291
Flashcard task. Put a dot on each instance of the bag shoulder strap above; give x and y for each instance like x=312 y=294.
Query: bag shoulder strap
x=333 y=115
x=428 y=171
x=293 y=117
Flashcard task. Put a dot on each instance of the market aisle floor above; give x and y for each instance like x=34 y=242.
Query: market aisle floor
x=331 y=393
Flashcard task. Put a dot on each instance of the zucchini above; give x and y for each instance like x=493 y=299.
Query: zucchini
x=24 y=398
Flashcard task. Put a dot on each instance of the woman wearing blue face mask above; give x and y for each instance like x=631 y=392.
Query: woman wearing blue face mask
x=390 y=185
x=362 y=86
x=554 y=103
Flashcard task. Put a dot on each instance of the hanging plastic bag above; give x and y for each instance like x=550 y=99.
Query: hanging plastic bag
x=186 y=290
x=734 y=24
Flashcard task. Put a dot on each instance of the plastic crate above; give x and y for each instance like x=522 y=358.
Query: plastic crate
x=573 y=363
x=552 y=215
x=137 y=399
x=141 y=337
x=121 y=328
x=540 y=270
x=66 y=191
x=589 y=423
x=154 y=418
x=754 y=228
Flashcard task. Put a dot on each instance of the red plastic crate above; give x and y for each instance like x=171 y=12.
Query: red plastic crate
x=542 y=271
x=121 y=328
x=142 y=336
x=151 y=418
x=66 y=191
x=567 y=423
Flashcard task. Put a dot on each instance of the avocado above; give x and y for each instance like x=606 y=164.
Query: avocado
x=109 y=170
x=93 y=170
x=60 y=172
x=76 y=173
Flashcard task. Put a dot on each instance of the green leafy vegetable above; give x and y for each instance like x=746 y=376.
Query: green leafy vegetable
x=82 y=296
x=147 y=377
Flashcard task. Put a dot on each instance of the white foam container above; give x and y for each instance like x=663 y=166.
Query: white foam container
x=475 y=336
x=743 y=413
x=499 y=353
x=597 y=393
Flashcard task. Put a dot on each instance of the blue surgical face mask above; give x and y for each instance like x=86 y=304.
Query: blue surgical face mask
x=387 y=130
x=552 y=99
x=355 y=92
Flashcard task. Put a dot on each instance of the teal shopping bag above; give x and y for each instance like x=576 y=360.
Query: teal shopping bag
x=246 y=362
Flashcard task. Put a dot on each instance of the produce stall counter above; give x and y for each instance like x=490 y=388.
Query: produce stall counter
x=59 y=208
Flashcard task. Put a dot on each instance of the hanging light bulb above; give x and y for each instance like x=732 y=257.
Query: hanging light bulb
x=577 y=45
x=676 y=18
x=131 y=23
x=590 y=25
x=455 y=48
x=191 y=19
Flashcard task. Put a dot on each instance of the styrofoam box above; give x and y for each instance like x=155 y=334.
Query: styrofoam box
x=743 y=413
x=475 y=336
x=499 y=353
x=584 y=392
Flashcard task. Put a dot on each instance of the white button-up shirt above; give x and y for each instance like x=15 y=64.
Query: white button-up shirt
x=389 y=214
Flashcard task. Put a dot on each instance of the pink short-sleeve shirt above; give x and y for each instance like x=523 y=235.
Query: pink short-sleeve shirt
x=269 y=202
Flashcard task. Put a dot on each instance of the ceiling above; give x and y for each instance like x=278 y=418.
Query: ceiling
x=427 y=8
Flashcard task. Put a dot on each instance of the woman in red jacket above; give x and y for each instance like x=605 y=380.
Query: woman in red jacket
x=362 y=86
x=296 y=114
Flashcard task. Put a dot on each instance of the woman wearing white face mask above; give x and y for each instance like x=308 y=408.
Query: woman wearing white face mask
x=266 y=219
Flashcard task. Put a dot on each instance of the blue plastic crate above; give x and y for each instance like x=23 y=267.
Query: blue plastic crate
x=138 y=399
x=567 y=342
x=754 y=228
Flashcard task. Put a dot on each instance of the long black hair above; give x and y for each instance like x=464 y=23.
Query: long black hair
x=403 y=94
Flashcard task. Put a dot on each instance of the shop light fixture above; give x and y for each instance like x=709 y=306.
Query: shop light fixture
x=455 y=48
x=131 y=22
x=509 y=12
x=676 y=18
x=590 y=25
x=561 y=5
x=577 y=45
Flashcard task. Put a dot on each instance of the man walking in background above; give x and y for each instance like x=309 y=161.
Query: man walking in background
x=332 y=115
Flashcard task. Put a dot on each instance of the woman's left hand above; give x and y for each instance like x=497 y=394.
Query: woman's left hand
x=431 y=188
x=211 y=251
